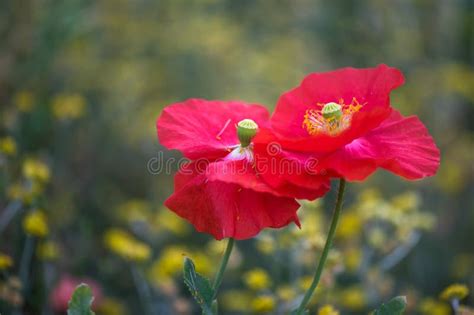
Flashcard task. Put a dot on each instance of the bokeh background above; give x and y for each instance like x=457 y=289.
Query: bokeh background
x=82 y=83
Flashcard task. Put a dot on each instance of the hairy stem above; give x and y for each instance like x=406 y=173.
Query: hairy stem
x=327 y=247
x=224 y=261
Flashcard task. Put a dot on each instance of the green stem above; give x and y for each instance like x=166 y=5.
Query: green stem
x=25 y=266
x=327 y=247
x=224 y=261
x=143 y=290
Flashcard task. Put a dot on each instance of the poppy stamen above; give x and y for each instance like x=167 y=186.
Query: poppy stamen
x=218 y=136
x=332 y=119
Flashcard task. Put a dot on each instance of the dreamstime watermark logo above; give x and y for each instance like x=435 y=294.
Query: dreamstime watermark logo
x=161 y=165
x=274 y=149
x=274 y=161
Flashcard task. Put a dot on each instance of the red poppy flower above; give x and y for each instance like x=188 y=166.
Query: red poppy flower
x=342 y=122
x=219 y=191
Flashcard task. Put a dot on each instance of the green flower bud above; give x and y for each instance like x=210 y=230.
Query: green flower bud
x=246 y=130
x=332 y=110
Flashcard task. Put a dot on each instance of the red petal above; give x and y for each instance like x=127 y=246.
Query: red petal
x=298 y=173
x=201 y=128
x=371 y=86
x=400 y=144
x=229 y=210
x=244 y=174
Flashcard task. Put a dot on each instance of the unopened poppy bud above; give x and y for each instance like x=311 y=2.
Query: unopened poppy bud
x=332 y=110
x=246 y=130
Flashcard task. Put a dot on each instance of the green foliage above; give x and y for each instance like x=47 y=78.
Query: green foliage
x=395 y=306
x=81 y=301
x=199 y=287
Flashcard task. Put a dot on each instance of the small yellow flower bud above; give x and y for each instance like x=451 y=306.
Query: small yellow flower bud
x=36 y=170
x=328 y=310
x=257 y=279
x=126 y=246
x=353 y=298
x=35 y=224
x=48 y=251
x=8 y=146
x=454 y=292
x=68 y=106
x=430 y=306
x=263 y=304
x=5 y=261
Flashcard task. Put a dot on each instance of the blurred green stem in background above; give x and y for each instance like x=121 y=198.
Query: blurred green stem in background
x=25 y=266
x=143 y=290
x=225 y=260
x=327 y=247
x=9 y=213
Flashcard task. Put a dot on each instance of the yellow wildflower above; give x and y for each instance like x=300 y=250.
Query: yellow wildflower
x=109 y=306
x=203 y=263
x=377 y=237
x=328 y=310
x=263 y=304
x=8 y=146
x=5 y=261
x=48 y=250
x=26 y=194
x=35 y=224
x=430 y=306
x=316 y=218
x=352 y=258
x=350 y=226
x=235 y=300
x=454 y=292
x=335 y=258
x=257 y=279
x=24 y=101
x=68 y=106
x=215 y=248
x=36 y=170
x=170 y=222
x=422 y=220
x=168 y=264
x=135 y=210
x=406 y=202
x=286 y=293
x=353 y=298
x=305 y=282
x=266 y=244
x=126 y=246
x=369 y=195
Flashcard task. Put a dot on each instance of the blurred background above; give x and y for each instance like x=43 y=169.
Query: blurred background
x=82 y=83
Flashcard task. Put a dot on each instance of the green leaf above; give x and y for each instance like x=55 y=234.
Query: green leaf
x=81 y=301
x=199 y=287
x=395 y=306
